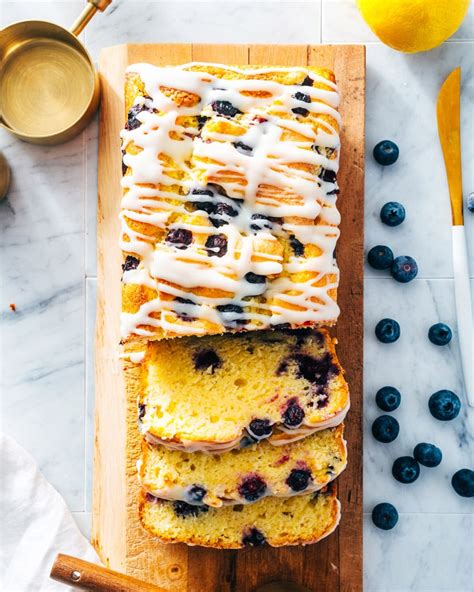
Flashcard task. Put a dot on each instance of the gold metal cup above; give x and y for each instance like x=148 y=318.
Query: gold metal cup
x=49 y=88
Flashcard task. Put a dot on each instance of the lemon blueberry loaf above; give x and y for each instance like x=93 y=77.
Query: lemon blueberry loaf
x=229 y=218
x=298 y=520
x=245 y=475
x=220 y=392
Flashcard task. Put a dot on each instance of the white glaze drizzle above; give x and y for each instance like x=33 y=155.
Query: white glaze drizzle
x=294 y=193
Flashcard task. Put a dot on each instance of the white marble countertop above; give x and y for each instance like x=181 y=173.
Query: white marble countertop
x=48 y=270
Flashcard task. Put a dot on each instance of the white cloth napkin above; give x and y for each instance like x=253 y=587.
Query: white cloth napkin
x=35 y=525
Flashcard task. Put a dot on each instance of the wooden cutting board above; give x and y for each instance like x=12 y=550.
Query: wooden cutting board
x=334 y=564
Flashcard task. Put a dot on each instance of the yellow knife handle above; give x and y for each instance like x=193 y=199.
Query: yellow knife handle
x=448 y=112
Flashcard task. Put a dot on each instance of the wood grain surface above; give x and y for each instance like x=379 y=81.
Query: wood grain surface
x=334 y=564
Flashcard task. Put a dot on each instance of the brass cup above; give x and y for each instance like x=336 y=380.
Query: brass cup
x=49 y=88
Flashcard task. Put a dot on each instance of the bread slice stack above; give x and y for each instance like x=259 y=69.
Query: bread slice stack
x=229 y=225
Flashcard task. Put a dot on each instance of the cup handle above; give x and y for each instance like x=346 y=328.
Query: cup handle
x=90 y=9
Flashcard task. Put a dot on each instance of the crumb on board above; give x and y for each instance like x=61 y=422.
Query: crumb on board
x=13 y=307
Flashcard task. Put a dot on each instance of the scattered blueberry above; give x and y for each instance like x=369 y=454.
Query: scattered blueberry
x=299 y=479
x=184 y=510
x=202 y=191
x=260 y=428
x=253 y=278
x=216 y=245
x=141 y=411
x=300 y=111
x=296 y=245
x=315 y=370
x=380 y=257
x=404 y=269
x=387 y=330
x=406 y=469
x=470 y=202
x=205 y=359
x=444 y=405
x=440 y=334
x=130 y=263
x=252 y=537
x=392 y=213
x=385 y=516
x=385 y=428
x=225 y=108
x=252 y=487
x=428 y=455
x=388 y=398
x=293 y=414
x=305 y=99
x=228 y=312
x=196 y=494
x=463 y=482
x=181 y=238
x=386 y=152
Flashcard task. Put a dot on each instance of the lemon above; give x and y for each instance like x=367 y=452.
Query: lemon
x=413 y=25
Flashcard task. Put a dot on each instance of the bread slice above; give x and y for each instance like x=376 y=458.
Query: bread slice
x=229 y=218
x=217 y=393
x=245 y=475
x=298 y=520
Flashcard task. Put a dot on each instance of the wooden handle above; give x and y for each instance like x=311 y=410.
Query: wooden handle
x=89 y=576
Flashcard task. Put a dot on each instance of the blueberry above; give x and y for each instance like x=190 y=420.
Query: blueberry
x=130 y=263
x=228 y=312
x=428 y=455
x=406 y=469
x=388 y=398
x=181 y=238
x=380 y=257
x=300 y=111
x=392 y=213
x=296 y=245
x=261 y=222
x=252 y=537
x=216 y=245
x=293 y=414
x=205 y=359
x=385 y=516
x=299 y=479
x=196 y=494
x=253 y=278
x=141 y=411
x=201 y=121
x=386 y=152
x=387 y=330
x=252 y=487
x=184 y=510
x=328 y=176
x=470 y=202
x=224 y=209
x=243 y=148
x=307 y=81
x=385 y=428
x=404 y=269
x=225 y=108
x=444 y=405
x=202 y=191
x=463 y=482
x=260 y=428
x=440 y=334
x=132 y=121
x=315 y=370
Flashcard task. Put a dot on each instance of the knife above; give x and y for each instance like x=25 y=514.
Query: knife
x=448 y=110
